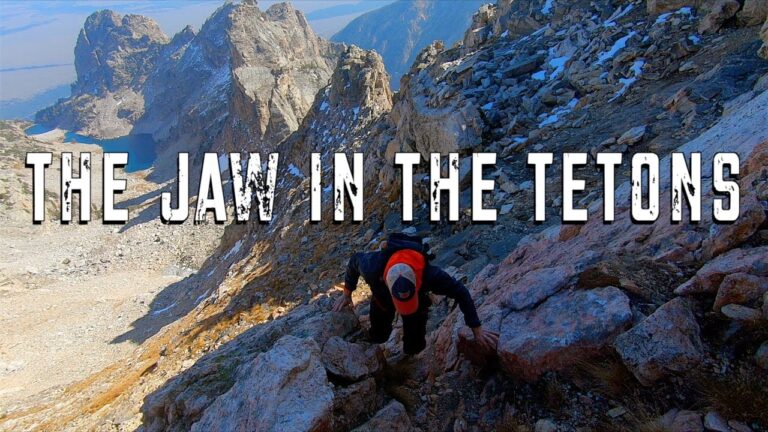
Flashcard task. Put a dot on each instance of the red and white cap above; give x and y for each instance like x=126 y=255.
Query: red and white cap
x=403 y=278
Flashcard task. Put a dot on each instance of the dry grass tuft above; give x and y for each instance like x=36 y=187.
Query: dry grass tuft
x=555 y=394
x=609 y=377
x=741 y=395
x=640 y=418
x=510 y=423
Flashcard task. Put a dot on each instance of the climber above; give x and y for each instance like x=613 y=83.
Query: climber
x=400 y=278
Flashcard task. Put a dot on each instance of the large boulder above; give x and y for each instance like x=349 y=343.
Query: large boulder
x=283 y=389
x=665 y=342
x=761 y=356
x=535 y=286
x=351 y=361
x=567 y=326
x=740 y=288
x=763 y=51
x=721 y=11
x=708 y=279
x=753 y=13
x=391 y=418
x=354 y=404
x=724 y=237
x=182 y=399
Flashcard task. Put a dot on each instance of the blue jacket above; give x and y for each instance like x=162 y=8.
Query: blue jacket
x=371 y=267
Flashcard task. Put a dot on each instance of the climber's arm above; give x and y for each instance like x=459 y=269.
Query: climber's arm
x=441 y=283
x=353 y=274
x=350 y=283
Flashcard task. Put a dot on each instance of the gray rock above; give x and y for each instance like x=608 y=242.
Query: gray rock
x=632 y=136
x=741 y=313
x=354 y=404
x=522 y=66
x=667 y=341
x=713 y=421
x=391 y=418
x=535 y=287
x=283 y=389
x=545 y=425
x=349 y=360
x=565 y=327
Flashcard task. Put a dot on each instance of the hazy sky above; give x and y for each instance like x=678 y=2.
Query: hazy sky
x=37 y=37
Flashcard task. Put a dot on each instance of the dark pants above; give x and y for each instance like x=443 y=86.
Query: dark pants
x=414 y=325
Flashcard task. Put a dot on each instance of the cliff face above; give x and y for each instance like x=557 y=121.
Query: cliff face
x=400 y=30
x=616 y=326
x=278 y=65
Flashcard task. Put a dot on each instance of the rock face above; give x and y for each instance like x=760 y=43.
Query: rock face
x=711 y=275
x=400 y=30
x=278 y=66
x=566 y=327
x=340 y=118
x=718 y=14
x=763 y=52
x=754 y=12
x=666 y=342
x=391 y=418
x=349 y=360
x=284 y=389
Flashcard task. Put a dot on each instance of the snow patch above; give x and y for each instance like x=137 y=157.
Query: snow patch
x=547 y=8
x=295 y=171
x=159 y=311
x=619 y=45
x=611 y=22
x=686 y=11
x=559 y=65
x=557 y=113
x=637 y=70
x=223 y=162
x=235 y=249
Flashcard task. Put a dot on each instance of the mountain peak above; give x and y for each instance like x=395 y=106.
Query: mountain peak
x=114 y=51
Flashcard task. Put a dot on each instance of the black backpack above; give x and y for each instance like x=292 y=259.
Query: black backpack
x=400 y=241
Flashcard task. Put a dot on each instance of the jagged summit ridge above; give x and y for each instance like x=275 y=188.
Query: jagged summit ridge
x=243 y=82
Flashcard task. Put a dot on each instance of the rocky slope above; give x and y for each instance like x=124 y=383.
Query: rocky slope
x=400 y=30
x=615 y=326
x=113 y=277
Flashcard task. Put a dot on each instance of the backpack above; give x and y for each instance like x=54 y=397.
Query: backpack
x=400 y=241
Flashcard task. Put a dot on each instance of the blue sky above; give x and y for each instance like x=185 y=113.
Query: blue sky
x=37 y=37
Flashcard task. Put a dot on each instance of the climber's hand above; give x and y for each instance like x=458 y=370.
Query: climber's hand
x=344 y=301
x=487 y=340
